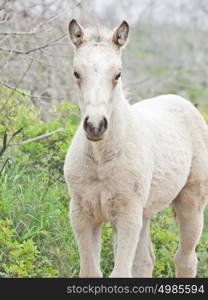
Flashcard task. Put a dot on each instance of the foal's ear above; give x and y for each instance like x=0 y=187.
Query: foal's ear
x=121 y=33
x=76 y=33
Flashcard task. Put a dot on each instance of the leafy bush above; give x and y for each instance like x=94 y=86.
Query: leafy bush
x=164 y=234
x=165 y=239
x=21 y=117
x=33 y=193
x=21 y=259
x=50 y=152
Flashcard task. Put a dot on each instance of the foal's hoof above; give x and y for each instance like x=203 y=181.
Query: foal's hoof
x=91 y=275
x=120 y=275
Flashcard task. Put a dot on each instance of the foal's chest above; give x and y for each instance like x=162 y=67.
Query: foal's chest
x=106 y=191
x=102 y=193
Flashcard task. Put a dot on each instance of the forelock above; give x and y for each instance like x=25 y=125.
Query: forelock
x=98 y=34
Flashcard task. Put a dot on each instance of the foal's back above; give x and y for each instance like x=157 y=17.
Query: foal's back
x=173 y=110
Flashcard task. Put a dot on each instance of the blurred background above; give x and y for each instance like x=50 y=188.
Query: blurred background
x=167 y=50
x=167 y=53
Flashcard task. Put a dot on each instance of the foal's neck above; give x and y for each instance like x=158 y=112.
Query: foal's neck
x=110 y=147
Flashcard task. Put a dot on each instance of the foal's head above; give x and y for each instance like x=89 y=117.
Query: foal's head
x=97 y=71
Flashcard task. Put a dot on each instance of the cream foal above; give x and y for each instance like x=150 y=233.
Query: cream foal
x=127 y=162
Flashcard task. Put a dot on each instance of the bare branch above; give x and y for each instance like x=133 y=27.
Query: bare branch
x=14 y=134
x=38 y=137
x=27 y=94
x=19 y=82
x=4 y=164
x=5 y=144
x=16 y=51
x=20 y=33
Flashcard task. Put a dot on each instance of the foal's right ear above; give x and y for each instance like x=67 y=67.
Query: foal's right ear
x=76 y=33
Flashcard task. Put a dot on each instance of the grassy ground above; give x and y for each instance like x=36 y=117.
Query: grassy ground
x=42 y=216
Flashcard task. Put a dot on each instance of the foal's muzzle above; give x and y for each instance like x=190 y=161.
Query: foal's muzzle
x=95 y=133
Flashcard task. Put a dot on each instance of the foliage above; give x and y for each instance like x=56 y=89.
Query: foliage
x=164 y=236
x=165 y=239
x=107 y=250
x=16 y=111
x=33 y=194
x=21 y=259
x=40 y=216
x=51 y=151
x=48 y=153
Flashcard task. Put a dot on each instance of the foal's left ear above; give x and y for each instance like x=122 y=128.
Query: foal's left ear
x=121 y=34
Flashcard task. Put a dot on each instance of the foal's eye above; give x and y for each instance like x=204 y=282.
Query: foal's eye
x=76 y=75
x=118 y=76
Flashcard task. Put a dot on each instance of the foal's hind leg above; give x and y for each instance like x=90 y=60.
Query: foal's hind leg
x=144 y=256
x=189 y=207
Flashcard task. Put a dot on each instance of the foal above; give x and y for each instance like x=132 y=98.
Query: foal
x=127 y=162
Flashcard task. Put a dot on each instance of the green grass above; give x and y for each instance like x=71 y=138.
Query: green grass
x=43 y=217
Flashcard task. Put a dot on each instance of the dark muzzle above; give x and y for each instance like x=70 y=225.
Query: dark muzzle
x=95 y=133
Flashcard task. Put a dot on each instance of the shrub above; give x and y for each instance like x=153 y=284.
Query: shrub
x=21 y=259
x=21 y=117
x=164 y=235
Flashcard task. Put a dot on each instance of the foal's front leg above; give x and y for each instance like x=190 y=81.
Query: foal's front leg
x=128 y=226
x=88 y=236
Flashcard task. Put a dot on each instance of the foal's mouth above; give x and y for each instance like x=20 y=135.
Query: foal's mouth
x=94 y=139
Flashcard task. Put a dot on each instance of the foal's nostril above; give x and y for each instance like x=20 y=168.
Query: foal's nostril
x=103 y=125
x=100 y=128
x=86 y=123
x=88 y=126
